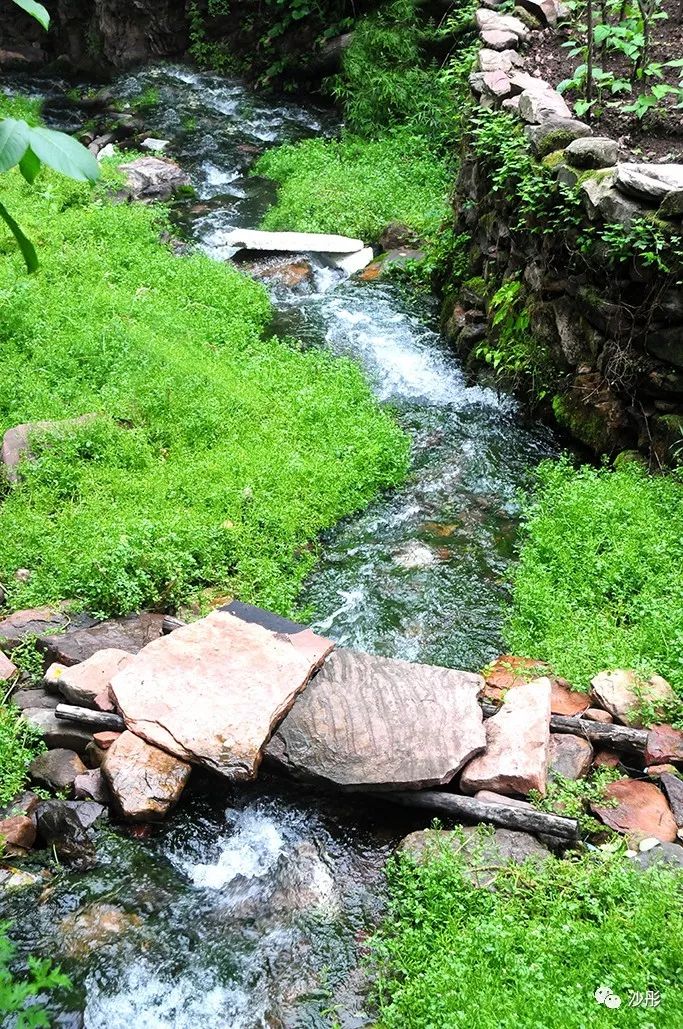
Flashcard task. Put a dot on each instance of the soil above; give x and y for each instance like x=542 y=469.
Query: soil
x=659 y=136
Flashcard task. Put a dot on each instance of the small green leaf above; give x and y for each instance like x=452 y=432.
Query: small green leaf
x=29 y=166
x=28 y=251
x=64 y=153
x=36 y=11
x=13 y=142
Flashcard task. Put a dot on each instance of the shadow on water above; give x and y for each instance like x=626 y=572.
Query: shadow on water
x=248 y=908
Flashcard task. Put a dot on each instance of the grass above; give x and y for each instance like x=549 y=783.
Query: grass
x=20 y=742
x=217 y=455
x=357 y=186
x=598 y=583
x=530 y=953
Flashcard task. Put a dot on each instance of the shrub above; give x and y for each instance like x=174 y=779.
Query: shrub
x=597 y=585
x=532 y=950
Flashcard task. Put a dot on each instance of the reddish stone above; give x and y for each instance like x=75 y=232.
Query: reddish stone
x=508 y=671
x=91 y=785
x=103 y=701
x=566 y=701
x=657 y=771
x=104 y=740
x=489 y=797
x=596 y=714
x=83 y=683
x=663 y=744
x=569 y=756
x=30 y=622
x=7 y=669
x=145 y=782
x=18 y=831
x=517 y=744
x=641 y=811
x=371 y=273
x=606 y=759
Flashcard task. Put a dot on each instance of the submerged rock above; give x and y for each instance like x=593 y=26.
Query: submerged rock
x=95 y=926
x=145 y=782
x=67 y=826
x=213 y=691
x=517 y=744
x=369 y=722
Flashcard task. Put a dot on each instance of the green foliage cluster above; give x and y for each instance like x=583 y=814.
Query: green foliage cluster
x=532 y=949
x=573 y=797
x=357 y=186
x=597 y=584
x=20 y=742
x=216 y=455
x=21 y=998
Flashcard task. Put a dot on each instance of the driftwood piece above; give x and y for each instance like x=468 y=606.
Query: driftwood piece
x=613 y=737
x=98 y=720
x=519 y=818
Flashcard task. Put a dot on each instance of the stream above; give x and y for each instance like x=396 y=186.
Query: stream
x=249 y=907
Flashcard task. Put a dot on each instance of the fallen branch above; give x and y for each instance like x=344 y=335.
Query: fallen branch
x=518 y=818
x=98 y=720
x=614 y=737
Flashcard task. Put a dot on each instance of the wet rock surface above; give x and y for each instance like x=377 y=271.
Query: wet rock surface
x=368 y=722
x=145 y=782
x=153 y=178
x=67 y=827
x=640 y=810
x=57 y=769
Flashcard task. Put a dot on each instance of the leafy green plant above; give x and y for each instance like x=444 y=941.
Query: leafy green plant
x=28 y=147
x=21 y=997
x=20 y=742
x=573 y=797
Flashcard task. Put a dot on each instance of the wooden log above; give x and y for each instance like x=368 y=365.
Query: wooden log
x=96 y=720
x=455 y=806
x=613 y=737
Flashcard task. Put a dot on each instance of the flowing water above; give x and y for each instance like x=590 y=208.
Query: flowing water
x=249 y=907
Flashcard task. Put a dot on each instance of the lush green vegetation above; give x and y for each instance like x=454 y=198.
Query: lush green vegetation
x=533 y=950
x=21 y=997
x=217 y=455
x=19 y=744
x=395 y=159
x=598 y=583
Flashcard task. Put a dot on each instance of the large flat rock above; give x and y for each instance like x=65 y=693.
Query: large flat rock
x=293 y=242
x=213 y=691
x=370 y=722
x=517 y=744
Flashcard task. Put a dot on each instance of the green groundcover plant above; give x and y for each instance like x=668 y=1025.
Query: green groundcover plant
x=21 y=996
x=532 y=949
x=216 y=455
x=598 y=583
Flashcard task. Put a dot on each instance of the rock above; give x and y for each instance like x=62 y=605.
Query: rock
x=81 y=684
x=145 y=782
x=595 y=152
x=489 y=797
x=497 y=40
x=108 y=150
x=93 y=927
x=491 y=21
x=17 y=834
x=396 y=235
x=23 y=804
x=157 y=146
x=508 y=671
x=483 y=852
x=673 y=787
x=566 y=701
x=596 y=714
x=153 y=178
x=544 y=11
x=606 y=759
x=664 y=744
x=511 y=103
x=131 y=634
x=287 y=273
x=94 y=755
x=522 y=82
x=16 y=879
x=67 y=826
x=497 y=60
x=662 y=854
x=16 y=443
x=555 y=133
x=517 y=744
x=57 y=732
x=212 y=692
x=104 y=740
x=649 y=182
x=569 y=756
x=536 y=107
x=7 y=668
x=622 y=693
x=672 y=205
x=56 y=769
x=24 y=699
x=91 y=785
x=641 y=810
x=666 y=344
x=350 y=264
x=31 y=622
x=292 y=242
x=369 y=722
x=657 y=771
x=603 y=200
x=496 y=84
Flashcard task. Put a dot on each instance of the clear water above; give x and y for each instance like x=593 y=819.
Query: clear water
x=249 y=908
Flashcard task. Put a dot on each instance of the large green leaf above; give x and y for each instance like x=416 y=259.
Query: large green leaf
x=29 y=166
x=13 y=142
x=25 y=245
x=64 y=153
x=36 y=11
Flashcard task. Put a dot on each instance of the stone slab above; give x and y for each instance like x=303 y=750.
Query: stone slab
x=374 y=723
x=131 y=634
x=83 y=683
x=640 y=811
x=213 y=691
x=293 y=242
x=482 y=853
x=517 y=744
